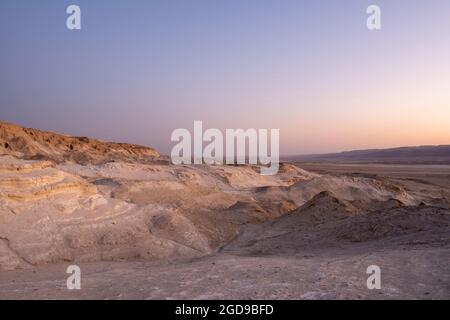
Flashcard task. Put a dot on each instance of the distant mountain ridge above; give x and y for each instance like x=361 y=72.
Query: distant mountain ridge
x=439 y=154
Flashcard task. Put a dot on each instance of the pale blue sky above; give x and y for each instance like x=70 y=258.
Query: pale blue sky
x=139 y=69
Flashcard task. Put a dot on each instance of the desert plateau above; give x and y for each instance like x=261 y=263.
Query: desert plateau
x=140 y=227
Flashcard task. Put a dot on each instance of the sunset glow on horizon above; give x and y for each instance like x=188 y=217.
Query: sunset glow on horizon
x=136 y=72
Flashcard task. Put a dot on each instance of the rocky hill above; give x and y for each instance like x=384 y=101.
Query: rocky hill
x=28 y=143
x=66 y=199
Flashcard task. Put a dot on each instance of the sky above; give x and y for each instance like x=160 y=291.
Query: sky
x=137 y=70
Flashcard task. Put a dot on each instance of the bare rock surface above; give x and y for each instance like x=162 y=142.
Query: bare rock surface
x=35 y=144
x=142 y=228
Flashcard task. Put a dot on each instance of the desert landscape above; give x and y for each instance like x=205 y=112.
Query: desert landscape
x=142 y=228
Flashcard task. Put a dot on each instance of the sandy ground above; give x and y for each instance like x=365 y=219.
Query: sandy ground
x=308 y=254
x=334 y=274
x=437 y=174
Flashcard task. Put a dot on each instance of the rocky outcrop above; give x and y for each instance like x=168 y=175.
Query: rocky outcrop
x=87 y=200
x=35 y=144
